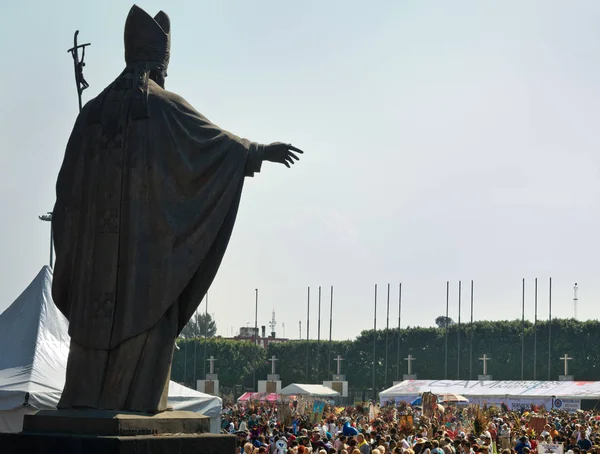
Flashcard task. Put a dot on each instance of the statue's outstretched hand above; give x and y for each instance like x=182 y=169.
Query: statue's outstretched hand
x=281 y=153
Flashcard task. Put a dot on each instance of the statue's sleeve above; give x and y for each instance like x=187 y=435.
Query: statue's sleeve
x=205 y=136
x=255 y=158
x=195 y=176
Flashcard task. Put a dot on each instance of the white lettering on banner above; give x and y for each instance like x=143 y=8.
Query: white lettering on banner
x=571 y=405
x=514 y=404
x=501 y=384
x=498 y=389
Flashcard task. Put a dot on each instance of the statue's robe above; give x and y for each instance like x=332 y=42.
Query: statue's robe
x=146 y=201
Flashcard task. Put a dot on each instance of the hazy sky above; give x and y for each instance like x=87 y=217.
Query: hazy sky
x=444 y=140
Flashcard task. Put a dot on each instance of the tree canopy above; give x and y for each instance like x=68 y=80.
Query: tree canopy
x=235 y=360
x=500 y=340
x=442 y=320
x=200 y=325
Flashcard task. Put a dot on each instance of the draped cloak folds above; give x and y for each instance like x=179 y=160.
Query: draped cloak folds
x=146 y=201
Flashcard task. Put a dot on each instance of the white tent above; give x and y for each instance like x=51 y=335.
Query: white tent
x=565 y=395
x=182 y=398
x=34 y=346
x=298 y=389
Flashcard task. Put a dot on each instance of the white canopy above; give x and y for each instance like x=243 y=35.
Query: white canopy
x=497 y=388
x=566 y=395
x=182 y=398
x=34 y=342
x=298 y=389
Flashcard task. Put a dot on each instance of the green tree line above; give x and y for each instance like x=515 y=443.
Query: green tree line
x=239 y=362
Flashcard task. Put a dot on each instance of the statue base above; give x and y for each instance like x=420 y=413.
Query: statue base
x=95 y=432
x=90 y=444
x=114 y=423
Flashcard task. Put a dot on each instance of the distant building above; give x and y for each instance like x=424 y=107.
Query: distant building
x=248 y=333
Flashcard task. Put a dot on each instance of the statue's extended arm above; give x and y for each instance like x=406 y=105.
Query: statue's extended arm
x=204 y=132
x=279 y=152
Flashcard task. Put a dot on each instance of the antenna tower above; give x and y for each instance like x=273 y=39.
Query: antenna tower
x=273 y=324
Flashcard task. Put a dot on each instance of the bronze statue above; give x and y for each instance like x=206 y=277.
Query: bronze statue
x=147 y=197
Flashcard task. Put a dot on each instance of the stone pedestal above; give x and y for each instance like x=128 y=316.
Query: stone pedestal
x=102 y=422
x=208 y=386
x=90 y=444
x=269 y=386
x=409 y=377
x=565 y=378
x=339 y=386
x=484 y=377
x=95 y=432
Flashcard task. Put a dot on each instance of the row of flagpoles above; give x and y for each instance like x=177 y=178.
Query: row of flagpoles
x=446 y=371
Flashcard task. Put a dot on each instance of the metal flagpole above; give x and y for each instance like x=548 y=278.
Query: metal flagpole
x=535 y=331
x=399 y=329
x=51 y=243
x=471 y=337
x=319 y=335
x=523 y=335
x=185 y=362
x=446 y=330
x=387 y=330
x=307 y=331
x=48 y=217
x=330 y=329
x=458 y=338
x=255 y=333
x=374 y=339
x=550 y=330
x=205 y=331
x=256 y=316
x=195 y=349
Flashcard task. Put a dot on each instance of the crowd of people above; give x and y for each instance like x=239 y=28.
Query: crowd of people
x=401 y=428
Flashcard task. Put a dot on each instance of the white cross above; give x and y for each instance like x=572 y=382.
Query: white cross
x=566 y=360
x=485 y=358
x=272 y=360
x=212 y=360
x=410 y=359
x=338 y=360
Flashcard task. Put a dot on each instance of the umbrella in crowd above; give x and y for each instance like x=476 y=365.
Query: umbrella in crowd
x=453 y=398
